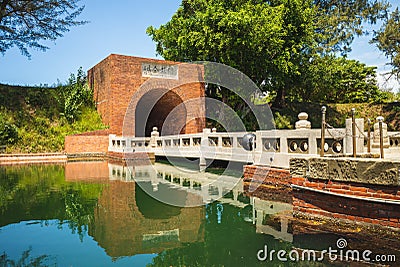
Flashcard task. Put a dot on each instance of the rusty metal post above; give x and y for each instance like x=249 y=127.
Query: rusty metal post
x=369 y=136
x=322 y=145
x=354 y=133
x=380 y=121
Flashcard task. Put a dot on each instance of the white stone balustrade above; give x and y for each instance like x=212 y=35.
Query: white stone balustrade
x=273 y=147
x=121 y=144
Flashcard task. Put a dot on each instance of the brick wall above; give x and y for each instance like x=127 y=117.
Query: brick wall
x=118 y=87
x=267 y=183
x=132 y=159
x=94 y=142
x=313 y=197
x=99 y=79
x=341 y=207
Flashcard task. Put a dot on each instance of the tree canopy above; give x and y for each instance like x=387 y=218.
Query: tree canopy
x=278 y=43
x=339 y=21
x=337 y=80
x=387 y=40
x=24 y=23
x=261 y=40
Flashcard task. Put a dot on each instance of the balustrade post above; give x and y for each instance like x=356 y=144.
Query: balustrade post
x=353 y=130
x=380 y=121
x=235 y=194
x=322 y=145
x=203 y=147
x=110 y=142
x=153 y=137
x=234 y=141
x=369 y=136
x=258 y=145
x=220 y=145
x=191 y=143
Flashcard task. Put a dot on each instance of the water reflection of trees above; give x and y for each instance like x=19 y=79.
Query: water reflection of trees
x=78 y=212
x=229 y=241
x=41 y=192
x=25 y=260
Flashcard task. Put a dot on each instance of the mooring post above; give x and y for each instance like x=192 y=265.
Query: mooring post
x=354 y=133
x=322 y=145
x=380 y=121
x=369 y=136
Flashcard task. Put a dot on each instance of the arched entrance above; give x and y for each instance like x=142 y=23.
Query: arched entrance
x=152 y=208
x=154 y=107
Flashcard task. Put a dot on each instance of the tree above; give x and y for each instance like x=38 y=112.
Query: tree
x=387 y=39
x=339 y=21
x=273 y=42
x=337 y=80
x=24 y=23
x=263 y=41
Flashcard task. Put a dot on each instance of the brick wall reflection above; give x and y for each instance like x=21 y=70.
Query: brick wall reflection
x=122 y=229
x=85 y=171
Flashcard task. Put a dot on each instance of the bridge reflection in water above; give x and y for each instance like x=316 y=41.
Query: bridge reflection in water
x=118 y=222
x=177 y=186
x=128 y=221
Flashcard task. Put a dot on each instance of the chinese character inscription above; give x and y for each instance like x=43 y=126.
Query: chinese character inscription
x=160 y=71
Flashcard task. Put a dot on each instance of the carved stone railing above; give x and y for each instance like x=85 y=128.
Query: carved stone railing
x=210 y=145
x=394 y=139
x=272 y=147
x=122 y=144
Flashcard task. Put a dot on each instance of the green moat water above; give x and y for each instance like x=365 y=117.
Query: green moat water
x=53 y=216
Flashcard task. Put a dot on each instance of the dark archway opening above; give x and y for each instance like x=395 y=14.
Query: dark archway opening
x=152 y=110
x=151 y=208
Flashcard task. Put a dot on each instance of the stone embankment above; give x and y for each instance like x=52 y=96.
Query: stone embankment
x=361 y=190
x=12 y=159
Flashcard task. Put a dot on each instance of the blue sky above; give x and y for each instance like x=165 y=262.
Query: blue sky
x=118 y=28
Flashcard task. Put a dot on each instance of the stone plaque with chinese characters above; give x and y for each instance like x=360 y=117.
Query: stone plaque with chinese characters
x=160 y=71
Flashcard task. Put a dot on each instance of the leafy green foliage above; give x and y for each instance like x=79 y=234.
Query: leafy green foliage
x=282 y=121
x=262 y=40
x=338 y=22
x=25 y=23
x=44 y=116
x=284 y=46
x=337 y=114
x=330 y=79
x=26 y=259
x=51 y=197
x=72 y=96
x=8 y=132
x=387 y=40
x=42 y=134
x=251 y=36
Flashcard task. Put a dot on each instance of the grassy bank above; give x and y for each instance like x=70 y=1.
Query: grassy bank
x=32 y=119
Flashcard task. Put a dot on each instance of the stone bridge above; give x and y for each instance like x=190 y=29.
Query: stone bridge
x=272 y=148
x=134 y=95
